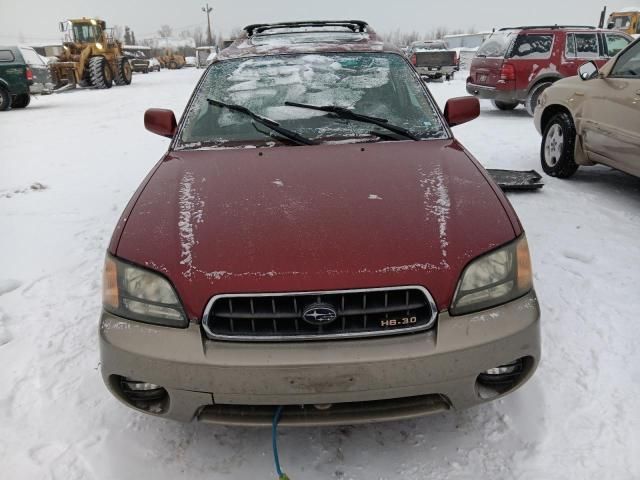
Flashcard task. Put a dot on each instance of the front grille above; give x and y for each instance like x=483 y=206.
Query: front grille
x=329 y=315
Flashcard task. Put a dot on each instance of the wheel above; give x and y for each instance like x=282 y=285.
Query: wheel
x=21 y=101
x=500 y=105
x=123 y=71
x=5 y=100
x=145 y=71
x=173 y=65
x=558 y=144
x=450 y=76
x=100 y=73
x=532 y=99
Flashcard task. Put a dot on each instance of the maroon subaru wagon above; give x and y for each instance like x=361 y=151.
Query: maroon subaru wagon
x=315 y=238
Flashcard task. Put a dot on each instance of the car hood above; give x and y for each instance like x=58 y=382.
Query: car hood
x=326 y=217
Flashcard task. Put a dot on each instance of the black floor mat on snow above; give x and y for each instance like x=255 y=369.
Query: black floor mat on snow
x=514 y=180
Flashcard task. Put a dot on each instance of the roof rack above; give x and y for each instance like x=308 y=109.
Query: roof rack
x=553 y=27
x=357 y=26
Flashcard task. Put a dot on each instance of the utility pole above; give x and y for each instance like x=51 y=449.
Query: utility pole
x=208 y=10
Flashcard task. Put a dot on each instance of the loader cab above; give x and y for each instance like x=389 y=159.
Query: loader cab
x=83 y=30
x=627 y=21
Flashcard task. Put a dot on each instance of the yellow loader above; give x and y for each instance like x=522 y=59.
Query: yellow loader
x=91 y=57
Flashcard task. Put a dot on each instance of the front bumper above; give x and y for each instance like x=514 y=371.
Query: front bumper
x=391 y=378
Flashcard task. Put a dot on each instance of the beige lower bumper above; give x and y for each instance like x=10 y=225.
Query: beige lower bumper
x=239 y=383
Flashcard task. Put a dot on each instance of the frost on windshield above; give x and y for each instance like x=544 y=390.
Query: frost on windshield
x=379 y=85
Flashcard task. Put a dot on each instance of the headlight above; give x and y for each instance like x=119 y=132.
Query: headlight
x=495 y=278
x=139 y=294
x=99 y=45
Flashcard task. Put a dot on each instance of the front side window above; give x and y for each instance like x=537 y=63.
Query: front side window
x=587 y=45
x=532 y=46
x=628 y=64
x=377 y=85
x=615 y=43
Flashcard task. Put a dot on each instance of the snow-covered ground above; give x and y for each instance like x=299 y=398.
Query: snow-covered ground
x=68 y=165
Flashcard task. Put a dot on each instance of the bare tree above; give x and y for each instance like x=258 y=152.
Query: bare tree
x=117 y=32
x=165 y=31
x=198 y=37
x=439 y=32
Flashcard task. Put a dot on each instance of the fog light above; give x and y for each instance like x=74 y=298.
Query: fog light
x=140 y=386
x=502 y=370
x=144 y=395
x=502 y=375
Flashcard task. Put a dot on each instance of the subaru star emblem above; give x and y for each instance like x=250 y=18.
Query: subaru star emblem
x=319 y=314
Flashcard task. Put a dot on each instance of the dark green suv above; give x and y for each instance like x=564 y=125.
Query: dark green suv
x=15 y=79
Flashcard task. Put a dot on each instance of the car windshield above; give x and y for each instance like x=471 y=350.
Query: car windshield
x=497 y=44
x=377 y=84
x=85 y=33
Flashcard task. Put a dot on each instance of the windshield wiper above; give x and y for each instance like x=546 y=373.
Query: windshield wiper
x=267 y=122
x=345 y=113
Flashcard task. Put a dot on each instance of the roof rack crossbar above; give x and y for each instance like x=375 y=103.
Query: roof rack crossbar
x=533 y=27
x=357 y=26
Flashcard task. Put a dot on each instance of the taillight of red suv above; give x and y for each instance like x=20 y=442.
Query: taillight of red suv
x=414 y=59
x=508 y=73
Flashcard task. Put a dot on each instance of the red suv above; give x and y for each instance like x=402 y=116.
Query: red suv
x=514 y=65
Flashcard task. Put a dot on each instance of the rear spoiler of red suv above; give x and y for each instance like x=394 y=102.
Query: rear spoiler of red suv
x=357 y=26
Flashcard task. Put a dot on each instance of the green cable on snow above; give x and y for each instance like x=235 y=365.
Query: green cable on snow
x=274 y=443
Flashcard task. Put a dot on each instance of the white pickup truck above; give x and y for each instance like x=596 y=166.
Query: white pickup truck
x=433 y=59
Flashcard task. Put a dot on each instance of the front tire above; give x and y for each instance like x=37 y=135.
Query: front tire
x=173 y=66
x=5 y=100
x=558 y=146
x=504 y=106
x=21 y=101
x=124 y=72
x=532 y=99
x=100 y=73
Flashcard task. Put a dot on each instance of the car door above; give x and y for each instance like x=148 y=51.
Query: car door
x=12 y=73
x=611 y=114
x=580 y=48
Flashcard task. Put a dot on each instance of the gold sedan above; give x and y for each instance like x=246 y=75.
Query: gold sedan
x=593 y=118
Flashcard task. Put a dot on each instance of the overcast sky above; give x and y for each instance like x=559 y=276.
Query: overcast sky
x=38 y=19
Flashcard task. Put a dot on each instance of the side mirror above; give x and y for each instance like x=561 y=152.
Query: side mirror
x=161 y=122
x=461 y=110
x=588 y=71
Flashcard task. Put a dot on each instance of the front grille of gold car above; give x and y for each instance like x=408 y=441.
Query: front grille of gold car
x=324 y=315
